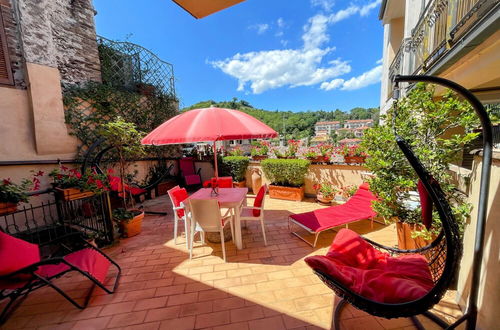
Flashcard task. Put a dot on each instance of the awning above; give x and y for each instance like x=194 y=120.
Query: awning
x=202 y=8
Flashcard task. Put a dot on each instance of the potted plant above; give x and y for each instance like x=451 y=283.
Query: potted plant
x=287 y=177
x=12 y=194
x=70 y=184
x=423 y=122
x=129 y=221
x=347 y=192
x=353 y=154
x=236 y=167
x=259 y=150
x=325 y=192
x=293 y=147
x=154 y=174
x=236 y=151
x=312 y=155
x=125 y=138
x=325 y=152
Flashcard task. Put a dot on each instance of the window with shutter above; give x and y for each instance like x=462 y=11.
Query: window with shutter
x=5 y=70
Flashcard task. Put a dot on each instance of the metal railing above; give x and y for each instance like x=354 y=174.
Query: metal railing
x=52 y=218
x=441 y=25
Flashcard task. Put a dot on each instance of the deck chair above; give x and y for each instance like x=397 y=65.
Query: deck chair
x=22 y=270
x=358 y=207
x=188 y=172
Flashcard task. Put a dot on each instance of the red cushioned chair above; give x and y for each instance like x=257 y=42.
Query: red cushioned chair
x=358 y=207
x=188 y=172
x=256 y=212
x=22 y=270
x=222 y=182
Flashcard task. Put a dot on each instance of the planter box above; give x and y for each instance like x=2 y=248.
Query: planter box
x=240 y=184
x=405 y=241
x=6 y=208
x=259 y=157
x=70 y=194
x=354 y=159
x=286 y=193
x=133 y=227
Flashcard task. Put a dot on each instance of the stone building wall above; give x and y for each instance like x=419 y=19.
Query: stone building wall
x=56 y=33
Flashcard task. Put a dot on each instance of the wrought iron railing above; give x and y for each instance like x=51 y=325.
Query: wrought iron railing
x=441 y=25
x=52 y=218
x=127 y=65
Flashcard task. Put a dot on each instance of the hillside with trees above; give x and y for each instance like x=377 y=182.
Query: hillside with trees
x=297 y=125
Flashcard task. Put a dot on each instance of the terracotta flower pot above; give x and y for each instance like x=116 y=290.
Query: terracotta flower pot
x=354 y=159
x=256 y=180
x=70 y=194
x=324 y=199
x=405 y=241
x=132 y=227
x=6 y=208
x=259 y=157
x=286 y=193
x=240 y=184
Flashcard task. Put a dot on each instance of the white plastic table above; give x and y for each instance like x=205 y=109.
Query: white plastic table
x=230 y=198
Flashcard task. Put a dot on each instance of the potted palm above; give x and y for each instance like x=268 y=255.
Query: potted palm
x=125 y=139
x=287 y=177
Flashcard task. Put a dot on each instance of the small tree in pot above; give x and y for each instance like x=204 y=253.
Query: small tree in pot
x=125 y=138
x=426 y=124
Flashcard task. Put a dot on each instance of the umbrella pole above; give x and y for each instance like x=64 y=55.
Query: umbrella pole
x=215 y=161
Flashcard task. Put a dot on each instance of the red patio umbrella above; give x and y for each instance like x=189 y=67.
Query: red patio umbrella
x=208 y=125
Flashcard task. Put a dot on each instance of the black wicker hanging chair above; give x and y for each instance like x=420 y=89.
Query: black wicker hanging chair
x=443 y=254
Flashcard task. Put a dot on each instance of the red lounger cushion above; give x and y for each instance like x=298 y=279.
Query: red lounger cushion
x=88 y=260
x=358 y=207
x=192 y=179
x=16 y=254
x=371 y=273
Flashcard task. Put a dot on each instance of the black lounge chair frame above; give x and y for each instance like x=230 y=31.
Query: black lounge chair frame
x=444 y=253
x=38 y=281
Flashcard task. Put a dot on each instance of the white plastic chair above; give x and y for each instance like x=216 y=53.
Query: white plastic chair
x=247 y=212
x=176 y=216
x=206 y=214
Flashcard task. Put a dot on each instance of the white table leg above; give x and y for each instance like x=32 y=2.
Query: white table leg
x=237 y=228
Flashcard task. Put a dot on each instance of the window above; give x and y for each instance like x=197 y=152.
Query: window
x=5 y=70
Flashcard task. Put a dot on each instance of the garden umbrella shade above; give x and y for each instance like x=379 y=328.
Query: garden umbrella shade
x=202 y=8
x=208 y=125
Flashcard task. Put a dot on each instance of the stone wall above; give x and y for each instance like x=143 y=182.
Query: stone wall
x=56 y=33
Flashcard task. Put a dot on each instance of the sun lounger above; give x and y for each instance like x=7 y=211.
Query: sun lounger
x=358 y=207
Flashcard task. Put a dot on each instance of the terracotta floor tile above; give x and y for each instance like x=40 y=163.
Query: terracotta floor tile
x=144 y=326
x=180 y=299
x=184 y=323
x=150 y=303
x=92 y=324
x=122 y=320
x=170 y=290
x=196 y=308
x=212 y=319
x=247 y=313
x=160 y=314
x=275 y=323
x=117 y=308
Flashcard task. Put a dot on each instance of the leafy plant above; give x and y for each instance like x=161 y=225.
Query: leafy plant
x=285 y=172
x=437 y=130
x=236 y=151
x=352 y=151
x=259 y=148
x=293 y=147
x=236 y=166
x=348 y=191
x=14 y=193
x=326 y=189
x=124 y=215
x=64 y=177
x=125 y=138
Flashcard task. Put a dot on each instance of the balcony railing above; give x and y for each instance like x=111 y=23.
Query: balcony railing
x=441 y=25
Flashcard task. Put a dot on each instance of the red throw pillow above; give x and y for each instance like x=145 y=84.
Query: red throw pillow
x=425 y=204
x=16 y=254
x=179 y=196
x=258 y=200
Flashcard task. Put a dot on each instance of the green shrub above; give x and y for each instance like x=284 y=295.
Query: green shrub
x=235 y=166
x=285 y=172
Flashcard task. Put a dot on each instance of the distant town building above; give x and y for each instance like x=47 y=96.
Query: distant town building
x=356 y=127
x=350 y=142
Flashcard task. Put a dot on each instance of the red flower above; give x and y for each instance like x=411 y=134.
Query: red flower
x=110 y=171
x=6 y=182
x=39 y=173
x=99 y=184
x=63 y=168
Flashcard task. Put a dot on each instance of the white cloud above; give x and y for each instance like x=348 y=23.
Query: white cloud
x=326 y=5
x=261 y=28
x=264 y=70
x=367 y=78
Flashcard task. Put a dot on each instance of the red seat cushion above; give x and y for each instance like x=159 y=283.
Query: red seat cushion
x=258 y=200
x=425 y=204
x=16 y=254
x=373 y=274
x=192 y=179
x=225 y=182
x=178 y=197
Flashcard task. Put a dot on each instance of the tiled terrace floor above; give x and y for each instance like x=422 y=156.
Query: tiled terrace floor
x=258 y=287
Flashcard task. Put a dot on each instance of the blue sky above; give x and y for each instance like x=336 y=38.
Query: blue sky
x=278 y=55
